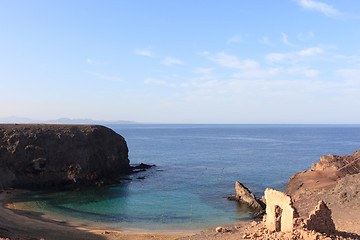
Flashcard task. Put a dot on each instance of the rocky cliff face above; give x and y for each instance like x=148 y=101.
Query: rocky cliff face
x=344 y=165
x=325 y=173
x=334 y=179
x=45 y=156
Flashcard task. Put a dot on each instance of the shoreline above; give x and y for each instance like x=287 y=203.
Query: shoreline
x=23 y=224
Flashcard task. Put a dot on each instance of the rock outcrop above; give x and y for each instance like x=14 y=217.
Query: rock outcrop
x=325 y=173
x=246 y=197
x=48 y=156
x=343 y=165
x=335 y=180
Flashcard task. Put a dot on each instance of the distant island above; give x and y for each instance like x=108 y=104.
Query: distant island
x=15 y=119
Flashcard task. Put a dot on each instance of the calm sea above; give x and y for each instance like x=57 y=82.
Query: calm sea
x=196 y=169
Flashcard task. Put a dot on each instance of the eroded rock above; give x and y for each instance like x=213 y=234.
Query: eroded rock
x=245 y=196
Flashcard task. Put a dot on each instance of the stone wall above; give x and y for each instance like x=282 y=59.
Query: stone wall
x=280 y=212
x=320 y=219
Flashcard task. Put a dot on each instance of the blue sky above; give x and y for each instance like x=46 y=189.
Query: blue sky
x=286 y=61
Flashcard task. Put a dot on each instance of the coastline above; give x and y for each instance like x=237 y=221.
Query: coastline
x=19 y=224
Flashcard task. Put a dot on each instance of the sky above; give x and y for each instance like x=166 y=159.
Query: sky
x=181 y=61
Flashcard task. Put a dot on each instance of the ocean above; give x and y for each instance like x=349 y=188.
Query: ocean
x=196 y=169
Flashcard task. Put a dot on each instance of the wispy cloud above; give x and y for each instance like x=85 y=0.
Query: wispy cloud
x=203 y=70
x=311 y=73
x=305 y=36
x=279 y=57
x=266 y=41
x=235 y=39
x=93 y=62
x=292 y=57
x=168 y=61
x=351 y=75
x=154 y=81
x=234 y=62
x=259 y=73
x=143 y=52
x=310 y=51
x=105 y=77
x=324 y=8
x=158 y=82
x=203 y=53
x=303 y=71
x=207 y=84
x=285 y=40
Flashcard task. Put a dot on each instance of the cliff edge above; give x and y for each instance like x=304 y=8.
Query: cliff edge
x=60 y=156
x=336 y=180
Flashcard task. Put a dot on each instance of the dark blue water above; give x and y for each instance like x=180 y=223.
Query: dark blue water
x=196 y=168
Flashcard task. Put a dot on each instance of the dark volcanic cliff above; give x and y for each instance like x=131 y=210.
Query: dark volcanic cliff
x=44 y=156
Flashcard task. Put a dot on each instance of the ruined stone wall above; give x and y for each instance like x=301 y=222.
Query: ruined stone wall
x=320 y=219
x=280 y=212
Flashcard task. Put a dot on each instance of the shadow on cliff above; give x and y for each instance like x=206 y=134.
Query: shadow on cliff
x=348 y=235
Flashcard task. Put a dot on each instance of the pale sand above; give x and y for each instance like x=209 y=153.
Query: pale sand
x=15 y=225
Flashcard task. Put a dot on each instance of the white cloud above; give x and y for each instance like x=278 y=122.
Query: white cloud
x=184 y=85
x=208 y=84
x=204 y=53
x=305 y=36
x=235 y=39
x=285 y=40
x=158 y=82
x=266 y=41
x=258 y=73
x=154 y=81
x=324 y=8
x=279 y=57
x=352 y=76
x=233 y=62
x=311 y=73
x=303 y=71
x=203 y=70
x=143 y=52
x=168 y=61
x=109 y=78
x=349 y=59
x=310 y=51
x=92 y=62
x=349 y=73
x=292 y=57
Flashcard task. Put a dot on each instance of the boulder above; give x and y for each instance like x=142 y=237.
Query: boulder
x=245 y=196
x=57 y=156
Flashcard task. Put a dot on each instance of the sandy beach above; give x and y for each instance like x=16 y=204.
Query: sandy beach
x=24 y=226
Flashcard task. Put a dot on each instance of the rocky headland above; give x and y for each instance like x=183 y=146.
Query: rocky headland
x=60 y=156
x=335 y=180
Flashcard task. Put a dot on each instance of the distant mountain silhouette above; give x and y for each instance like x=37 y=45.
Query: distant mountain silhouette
x=15 y=119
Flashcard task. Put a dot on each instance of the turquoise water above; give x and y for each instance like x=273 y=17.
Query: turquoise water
x=196 y=168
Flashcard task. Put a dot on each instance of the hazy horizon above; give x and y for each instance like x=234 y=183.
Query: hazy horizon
x=237 y=62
